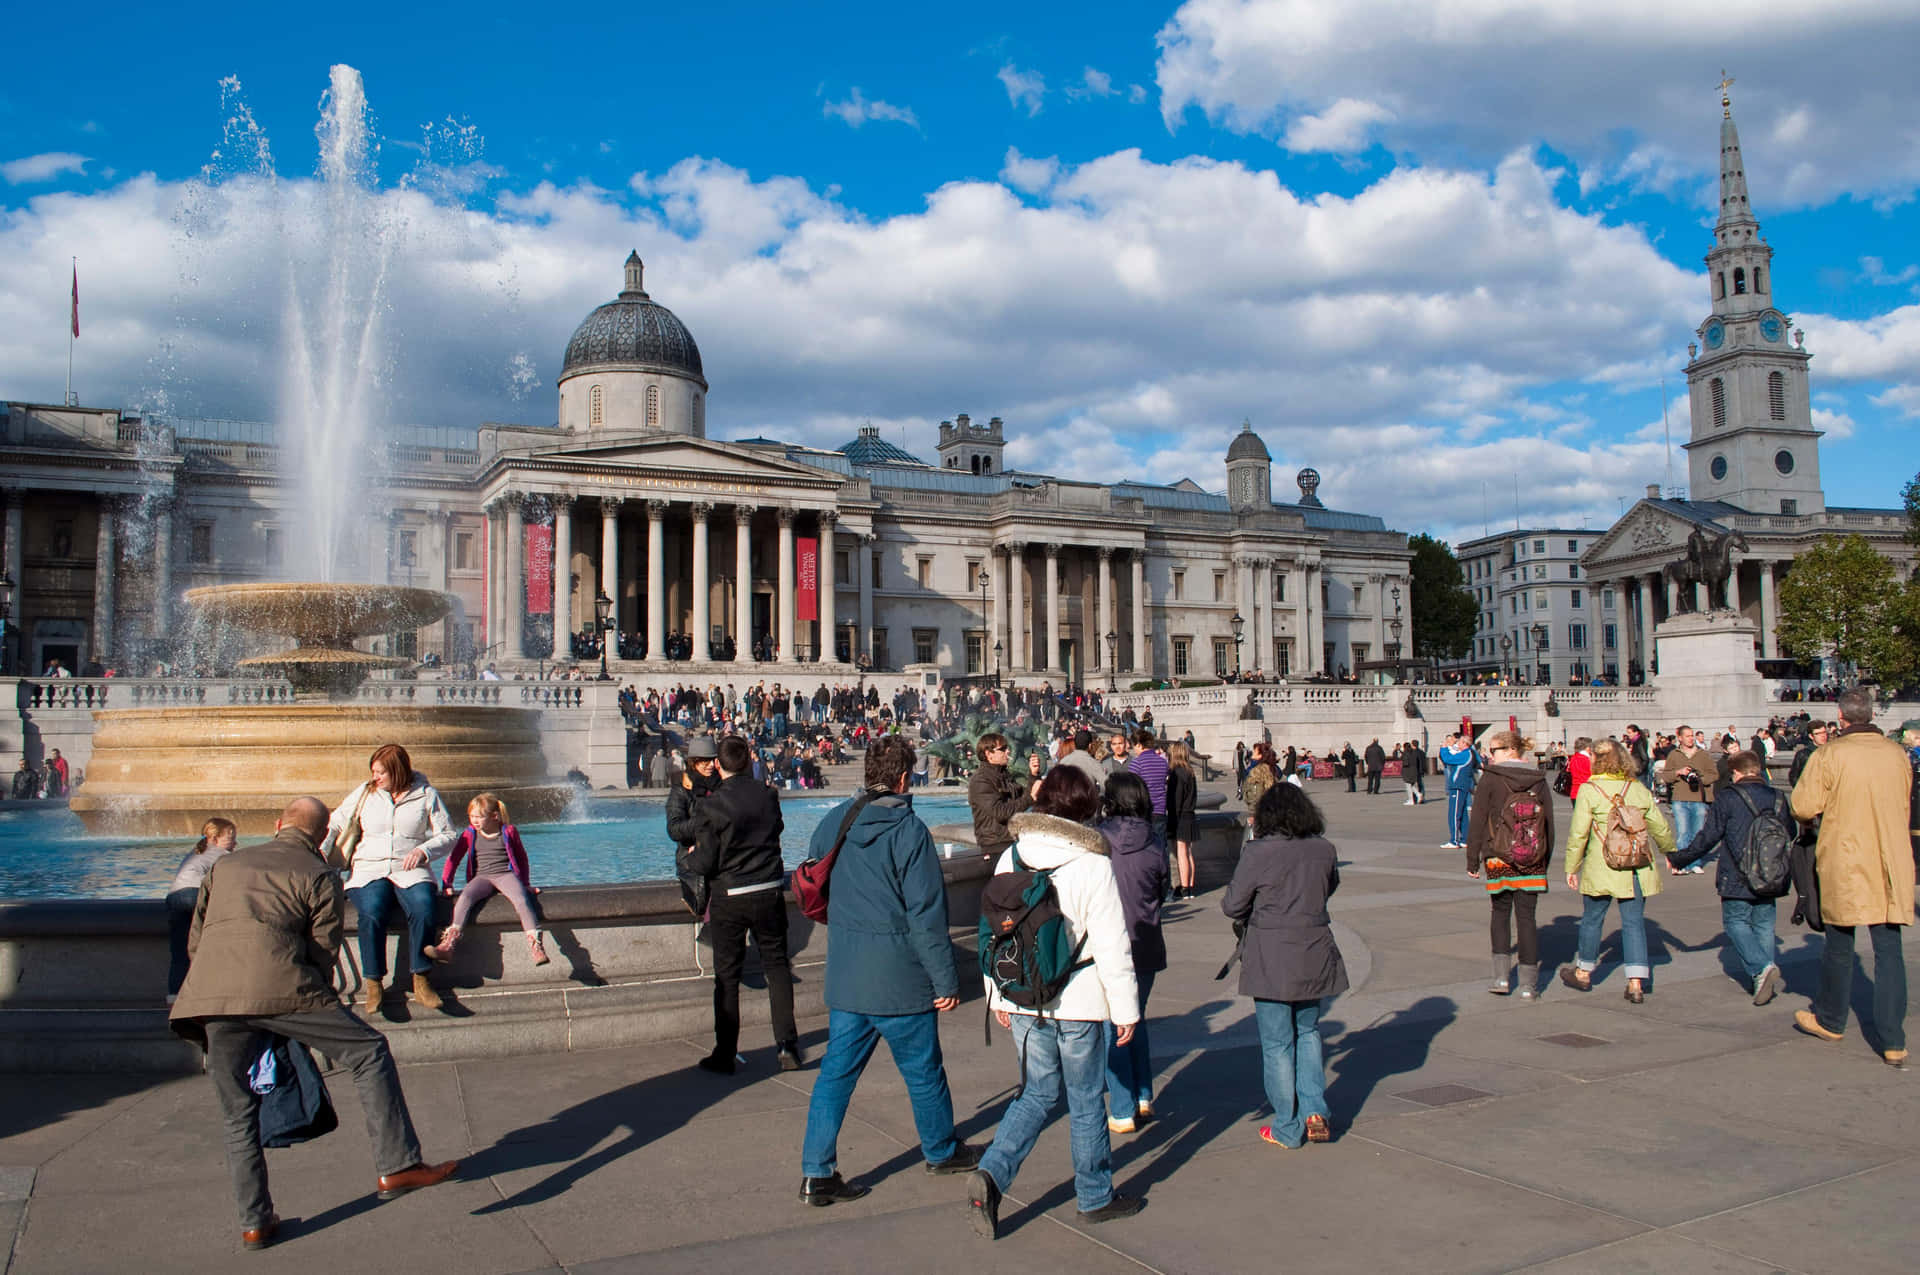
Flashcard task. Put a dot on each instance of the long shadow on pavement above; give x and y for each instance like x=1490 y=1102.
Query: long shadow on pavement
x=1392 y=1046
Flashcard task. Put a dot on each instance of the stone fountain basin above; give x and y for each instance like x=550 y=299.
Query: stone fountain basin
x=320 y=614
x=165 y=770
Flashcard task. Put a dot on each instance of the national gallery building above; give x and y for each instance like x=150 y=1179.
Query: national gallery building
x=703 y=554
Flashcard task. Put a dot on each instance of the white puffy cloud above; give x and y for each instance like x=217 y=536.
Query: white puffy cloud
x=30 y=169
x=1093 y=83
x=1825 y=91
x=855 y=109
x=1344 y=127
x=1028 y=174
x=1024 y=88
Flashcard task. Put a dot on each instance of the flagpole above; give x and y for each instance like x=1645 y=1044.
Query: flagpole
x=73 y=323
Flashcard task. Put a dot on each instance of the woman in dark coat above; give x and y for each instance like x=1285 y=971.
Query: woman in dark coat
x=1289 y=961
x=1139 y=860
x=1183 y=795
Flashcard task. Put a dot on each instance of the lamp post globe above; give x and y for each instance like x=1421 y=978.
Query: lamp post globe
x=1113 y=653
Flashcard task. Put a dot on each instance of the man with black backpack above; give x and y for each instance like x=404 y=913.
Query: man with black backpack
x=890 y=972
x=1751 y=826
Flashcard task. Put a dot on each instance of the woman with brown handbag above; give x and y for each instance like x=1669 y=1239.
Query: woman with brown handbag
x=1616 y=823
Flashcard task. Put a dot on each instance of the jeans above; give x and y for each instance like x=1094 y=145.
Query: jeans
x=180 y=906
x=1056 y=1051
x=232 y=1046
x=730 y=919
x=1291 y=1065
x=1749 y=928
x=375 y=902
x=914 y=1040
x=1633 y=932
x=1459 y=802
x=1130 y=1066
x=1511 y=907
x=1688 y=818
x=1889 y=983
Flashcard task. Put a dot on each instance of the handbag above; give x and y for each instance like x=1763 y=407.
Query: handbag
x=349 y=839
x=812 y=878
x=297 y=1106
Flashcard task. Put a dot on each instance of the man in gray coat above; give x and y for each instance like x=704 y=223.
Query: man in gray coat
x=266 y=932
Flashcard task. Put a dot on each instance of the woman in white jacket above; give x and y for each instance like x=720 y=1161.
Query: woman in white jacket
x=402 y=827
x=1065 y=1042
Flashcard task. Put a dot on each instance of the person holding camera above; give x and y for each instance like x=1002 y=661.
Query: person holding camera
x=1690 y=770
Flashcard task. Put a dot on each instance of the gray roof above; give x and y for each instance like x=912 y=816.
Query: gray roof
x=635 y=332
x=868 y=448
x=1246 y=445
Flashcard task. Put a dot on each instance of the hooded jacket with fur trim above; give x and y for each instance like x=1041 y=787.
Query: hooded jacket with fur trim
x=1077 y=856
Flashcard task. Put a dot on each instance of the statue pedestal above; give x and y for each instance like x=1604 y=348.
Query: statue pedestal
x=1707 y=677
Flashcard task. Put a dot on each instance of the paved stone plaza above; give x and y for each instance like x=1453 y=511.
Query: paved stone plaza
x=1473 y=1133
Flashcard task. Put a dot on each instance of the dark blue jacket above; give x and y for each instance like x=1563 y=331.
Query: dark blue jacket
x=1140 y=870
x=1726 y=827
x=887 y=948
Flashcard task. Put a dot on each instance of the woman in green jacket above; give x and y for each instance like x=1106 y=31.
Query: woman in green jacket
x=1587 y=869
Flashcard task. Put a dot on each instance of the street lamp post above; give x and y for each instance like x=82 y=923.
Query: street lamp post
x=6 y=622
x=1238 y=622
x=1542 y=639
x=1113 y=653
x=1506 y=651
x=985 y=579
x=602 y=619
x=996 y=664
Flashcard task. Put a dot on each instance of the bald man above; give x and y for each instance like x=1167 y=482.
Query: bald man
x=266 y=933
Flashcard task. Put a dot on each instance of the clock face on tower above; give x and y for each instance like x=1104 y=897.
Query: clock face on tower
x=1771 y=327
x=1716 y=335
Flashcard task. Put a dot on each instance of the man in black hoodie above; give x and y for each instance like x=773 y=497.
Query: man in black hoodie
x=1376 y=765
x=737 y=850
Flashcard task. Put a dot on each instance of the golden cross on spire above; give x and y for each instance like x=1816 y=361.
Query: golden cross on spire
x=1726 y=102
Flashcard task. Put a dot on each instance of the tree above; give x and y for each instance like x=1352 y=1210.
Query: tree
x=1443 y=613
x=1841 y=601
x=1910 y=495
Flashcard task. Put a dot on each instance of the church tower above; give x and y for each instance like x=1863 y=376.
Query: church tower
x=1753 y=444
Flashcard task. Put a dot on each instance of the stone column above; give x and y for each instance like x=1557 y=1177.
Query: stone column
x=14 y=653
x=656 y=582
x=1624 y=629
x=1017 y=628
x=610 y=554
x=1649 y=593
x=742 y=583
x=828 y=580
x=1768 y=650
x=1316 y=622
x=513 y=594
x=785 y=601
x=490 y=608
x=436 y=552
x=702 y=584
x=103 y=581
x=863 y=640
x=1109 y=613
x=1052 y=660
x=1302 y=665
x=563 y=577
x=1251 y=628
x=160 y=515
x=1142 y=637
x=1378 y=586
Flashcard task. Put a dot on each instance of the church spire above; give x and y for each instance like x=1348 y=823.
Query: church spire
x=1734 y=207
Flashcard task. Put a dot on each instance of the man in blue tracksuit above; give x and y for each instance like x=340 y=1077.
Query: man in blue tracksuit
x=1462 y=766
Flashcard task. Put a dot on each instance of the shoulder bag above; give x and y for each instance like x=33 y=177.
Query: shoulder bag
x=349 y=839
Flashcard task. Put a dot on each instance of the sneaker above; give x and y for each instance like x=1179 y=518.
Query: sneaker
x=1120 y=1124
x=1119 y=1206
x=983 y=1205
x=1317 y=1129
x=1767 y=985
x=1144 y=1111
x=964 y=1159
x=536 y=949
x=1698 y=870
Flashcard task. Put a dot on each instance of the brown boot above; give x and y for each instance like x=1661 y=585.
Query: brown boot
x=374 y=992
x=423 y=993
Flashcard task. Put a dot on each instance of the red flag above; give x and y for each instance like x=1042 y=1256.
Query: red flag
x=76 y=298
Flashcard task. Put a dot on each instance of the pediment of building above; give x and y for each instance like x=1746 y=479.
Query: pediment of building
x=681 y=455
x=1646 y=533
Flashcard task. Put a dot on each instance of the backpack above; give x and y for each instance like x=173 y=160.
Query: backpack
x=1520 y=834
x=1026 y=952
x=1626 y=847
x=1765 y=857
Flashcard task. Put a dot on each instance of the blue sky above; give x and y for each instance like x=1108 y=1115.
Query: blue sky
x=1419 y=246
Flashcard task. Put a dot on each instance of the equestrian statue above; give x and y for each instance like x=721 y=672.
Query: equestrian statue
x=1709 y=561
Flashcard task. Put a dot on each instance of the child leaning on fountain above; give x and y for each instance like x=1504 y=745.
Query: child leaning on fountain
x=498 y=866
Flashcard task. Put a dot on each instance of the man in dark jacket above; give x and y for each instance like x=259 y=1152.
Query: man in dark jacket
x=890 y=975
x=266 y=932
x=1376 y=765
x=1746 y=915
x=997 y=796
x=696 y=785
x=1350 y=762
x=737 y=851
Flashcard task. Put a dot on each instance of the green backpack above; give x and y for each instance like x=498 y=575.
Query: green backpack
x=1026 y=950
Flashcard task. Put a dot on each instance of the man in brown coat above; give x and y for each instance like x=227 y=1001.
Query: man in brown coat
x=1858 y=785
x=1690 y=769
x=266 y=932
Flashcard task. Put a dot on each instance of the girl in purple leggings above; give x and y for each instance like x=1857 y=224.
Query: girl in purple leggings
x=498 y=866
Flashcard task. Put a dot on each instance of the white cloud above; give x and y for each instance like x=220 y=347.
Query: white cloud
x=856 y=110
x=1028 y=174
x=1093 y=83
x=1344 y=127
x=1837 y=424
x=30 y=169
x=1904 y=399
x=1137 y=94
x=1875 y=272
x=1024 y=88
x=1825 y=90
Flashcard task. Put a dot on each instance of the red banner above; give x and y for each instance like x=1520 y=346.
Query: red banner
x=539 y=569
x=1322 y=769
x=807 y=600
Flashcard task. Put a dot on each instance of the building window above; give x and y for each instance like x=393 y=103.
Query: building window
x=653 y=407
x=1356 y=595
x=1513 y=605
x=1283 y=656
x=1540 y=602
x=1610 y=635
x=1573 y=571
x=1606 y=599
x=1360 y=652
x=405 y=644
x=1179 y=585
x=1759 y=276
x=1789 y=506
x=1539 y=546
x=1540 y=571
x=1739 y=281
x=406 y=547
x=923 y=643
x=842 y=567
x=595 y=406
x=1720 y=286
x=1219 y=586
x=1326 y=656
x=1578 y=635
x=1573 y=546
x=463 y=551
x=923 y=572
x=976 y=654
x=880 y=659
x=1323 y=596
x=1777 y=395
x=1222 y=656
x=1783 y=461
x=274 y=550
x=1718 y=388
x=1279 y=586
x=200 y=544
x=876 y=568
x=1182 y=656
x=1579 y=598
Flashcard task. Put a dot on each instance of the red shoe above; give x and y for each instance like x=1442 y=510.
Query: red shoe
x=1266 y=1135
